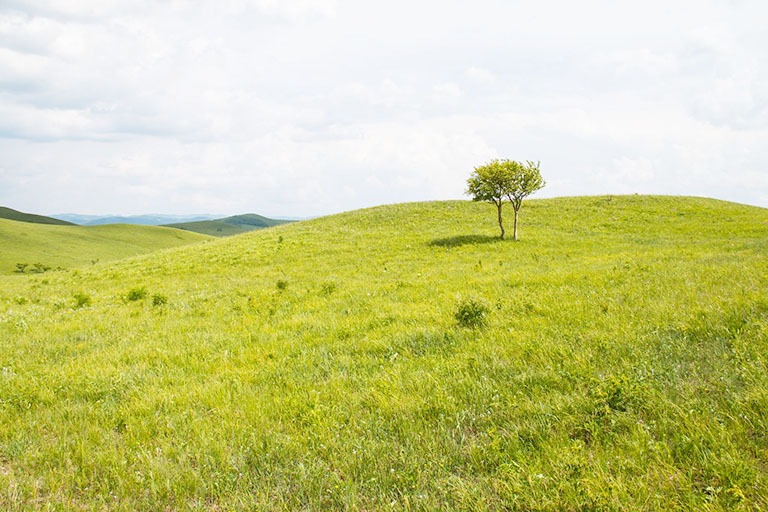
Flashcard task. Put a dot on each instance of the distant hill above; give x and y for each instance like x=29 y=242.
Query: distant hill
x=143 y=220
x=70 y=246
x=11 y=214
x=229 y=225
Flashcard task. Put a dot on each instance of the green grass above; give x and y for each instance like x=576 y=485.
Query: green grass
x=620 y=364
x=10 y=214
x=229 y=225
x=74 y=246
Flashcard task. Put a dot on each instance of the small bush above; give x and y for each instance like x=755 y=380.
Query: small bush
x=159 y=300
x=471 y=313
x=617 y=393
x=328 y=288
x=20 y=300
x=282 y=285
x=136 y=294
x=39 y=268
x=82 y=300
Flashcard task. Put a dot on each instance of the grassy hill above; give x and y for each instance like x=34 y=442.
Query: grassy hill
x=11 y=214
x=229 y=225
x=73 y=246
x=320 y=366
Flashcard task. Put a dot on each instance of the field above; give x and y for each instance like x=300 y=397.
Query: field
x=74 y=246
x=622 y=365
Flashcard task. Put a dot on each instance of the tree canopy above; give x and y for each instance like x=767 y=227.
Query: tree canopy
x=499 y=179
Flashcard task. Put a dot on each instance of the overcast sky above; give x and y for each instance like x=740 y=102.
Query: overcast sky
x=309 y=107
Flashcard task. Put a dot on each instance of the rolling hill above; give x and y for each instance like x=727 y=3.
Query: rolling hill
x=10 y=214
x=73 y=246
x=229 y=225
x=618 y=363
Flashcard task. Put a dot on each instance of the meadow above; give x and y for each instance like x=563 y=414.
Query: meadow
x=621 y=364
x=71 y=246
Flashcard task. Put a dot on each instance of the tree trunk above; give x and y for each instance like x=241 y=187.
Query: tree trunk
x=498 y=207
x=516 y=210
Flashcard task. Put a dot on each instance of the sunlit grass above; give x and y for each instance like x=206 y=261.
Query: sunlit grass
x=621 y=364
x=73 y=246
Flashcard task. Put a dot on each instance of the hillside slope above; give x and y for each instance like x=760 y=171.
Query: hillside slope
x=11 y=214
x=72 y=246
x=227 y=226
x=319 y=365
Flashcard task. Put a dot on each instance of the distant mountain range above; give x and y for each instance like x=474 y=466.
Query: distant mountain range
x=204 y=224
x=142 y=220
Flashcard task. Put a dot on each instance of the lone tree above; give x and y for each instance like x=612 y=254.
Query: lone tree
x=499 y=179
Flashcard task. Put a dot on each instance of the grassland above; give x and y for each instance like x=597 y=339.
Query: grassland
x=11 y=214
x=74 y=246
x=319 y=366
x=229 y=226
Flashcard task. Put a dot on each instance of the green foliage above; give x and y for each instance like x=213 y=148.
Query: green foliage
x=282 y=284
x=471 y=313
x=82 y=300
x=623 y=366
x=616 y=393
x=159 y=300
x=39 y=268
x=328 y=288
x=524 y=180
x=135 y=294
x=500 y=179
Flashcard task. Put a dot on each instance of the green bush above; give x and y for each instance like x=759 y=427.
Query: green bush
x=82 y=300
x=159 y=300
x=282 y=285
x=136 y=294
x=617 y=393
x=471 y=313
x=328 y=288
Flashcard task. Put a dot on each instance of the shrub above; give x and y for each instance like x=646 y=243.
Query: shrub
x=159 y=300
x=328 y=288
x=282 y=285
x=616 y=393
x=82 y=300
x=39 y=268
x=136 y=294
x=471 y=313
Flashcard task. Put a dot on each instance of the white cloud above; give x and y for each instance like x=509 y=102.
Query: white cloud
x=306 y=107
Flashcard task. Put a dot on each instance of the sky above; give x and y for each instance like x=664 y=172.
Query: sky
x=310 y=107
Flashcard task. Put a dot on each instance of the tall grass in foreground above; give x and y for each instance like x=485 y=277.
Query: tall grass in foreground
x=620 y=365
